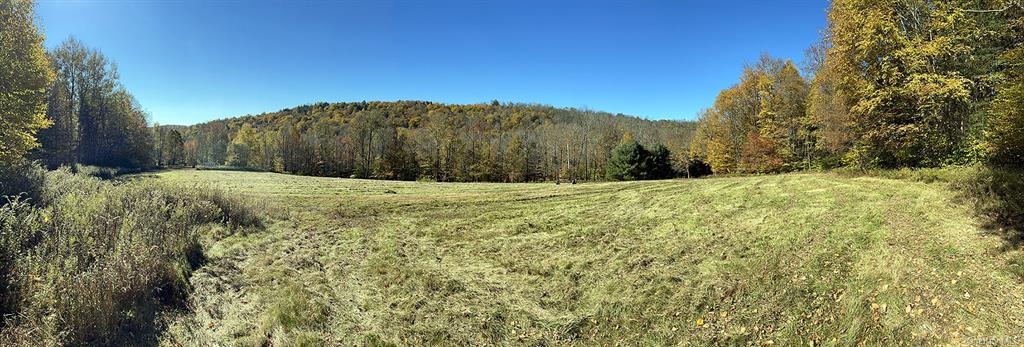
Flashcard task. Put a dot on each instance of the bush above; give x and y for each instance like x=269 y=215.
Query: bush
x=97 y=259
x=998 y=196
x=236 y=212
x=696 y=168
x=20 y=227
x=228 y=168
x=106 y=173
x=103 y=173
x=23 y=179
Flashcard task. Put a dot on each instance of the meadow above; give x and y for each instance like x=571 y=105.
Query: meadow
x=811 y=259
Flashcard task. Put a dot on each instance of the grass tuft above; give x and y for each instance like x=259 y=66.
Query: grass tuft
x=94 y=262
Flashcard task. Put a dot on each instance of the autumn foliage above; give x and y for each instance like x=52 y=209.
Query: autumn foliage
x=891 y=84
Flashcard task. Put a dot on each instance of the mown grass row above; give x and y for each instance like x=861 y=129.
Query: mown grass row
x=87 y=262
x=995 y=194
x=789 y=259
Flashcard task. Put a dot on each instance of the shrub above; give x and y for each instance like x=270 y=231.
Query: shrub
x=103 y=173
x=20 y=227
x=998 y=196
x=21 y=178
x=228 y=168
x=696 y=168
x=96 y=259
x=106 y=173
x=235 y=212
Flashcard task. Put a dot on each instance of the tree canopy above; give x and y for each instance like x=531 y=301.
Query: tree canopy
x=891 y=84
x=498 y=142
x=96 y=120
x=24 y=76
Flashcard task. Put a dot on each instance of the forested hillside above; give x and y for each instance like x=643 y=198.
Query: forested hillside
x=891 y=84
x=416 y=139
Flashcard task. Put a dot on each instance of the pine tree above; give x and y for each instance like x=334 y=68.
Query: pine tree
x=627 y=162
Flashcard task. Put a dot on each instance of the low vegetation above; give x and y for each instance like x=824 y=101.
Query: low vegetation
x=92 y=262
x=790 y=259
x=993 y=193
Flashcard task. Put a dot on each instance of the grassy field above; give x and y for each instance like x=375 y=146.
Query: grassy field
x=790 y=259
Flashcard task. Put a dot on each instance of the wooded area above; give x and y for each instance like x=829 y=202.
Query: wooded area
x=95 y=120
x=891 y=84
x=416 y=139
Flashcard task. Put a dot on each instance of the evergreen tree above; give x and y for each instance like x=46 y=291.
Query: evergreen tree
x=660 y=163
x=627 y=162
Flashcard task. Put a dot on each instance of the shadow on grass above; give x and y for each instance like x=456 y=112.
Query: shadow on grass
x=997 y=195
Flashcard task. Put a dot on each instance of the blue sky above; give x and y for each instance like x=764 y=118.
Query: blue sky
x=192 y=61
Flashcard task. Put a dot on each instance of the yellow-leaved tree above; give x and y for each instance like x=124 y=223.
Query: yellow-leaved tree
x=1006 y=128
x=24 y=75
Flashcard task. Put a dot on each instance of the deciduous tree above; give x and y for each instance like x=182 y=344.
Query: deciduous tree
x=24 y=75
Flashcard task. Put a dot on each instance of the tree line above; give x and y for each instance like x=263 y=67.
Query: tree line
x=93 y=119
x=406 y=140
x=919 y=83
x=891 y=84
x=79 y=113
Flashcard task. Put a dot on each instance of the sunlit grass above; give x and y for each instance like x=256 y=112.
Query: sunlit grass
x=791 y=259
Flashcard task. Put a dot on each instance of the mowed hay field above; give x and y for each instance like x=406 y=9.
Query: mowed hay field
x=789 y=259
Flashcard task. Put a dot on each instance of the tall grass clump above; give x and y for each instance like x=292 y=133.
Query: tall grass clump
x=998 y=196
x=91 y=262
x=23 y=179
x=104 y=173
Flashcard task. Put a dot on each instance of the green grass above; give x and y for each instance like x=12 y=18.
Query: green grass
x=90 y=262
x=789 y=259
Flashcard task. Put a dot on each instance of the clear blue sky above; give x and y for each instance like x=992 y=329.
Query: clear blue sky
x=192 y=61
